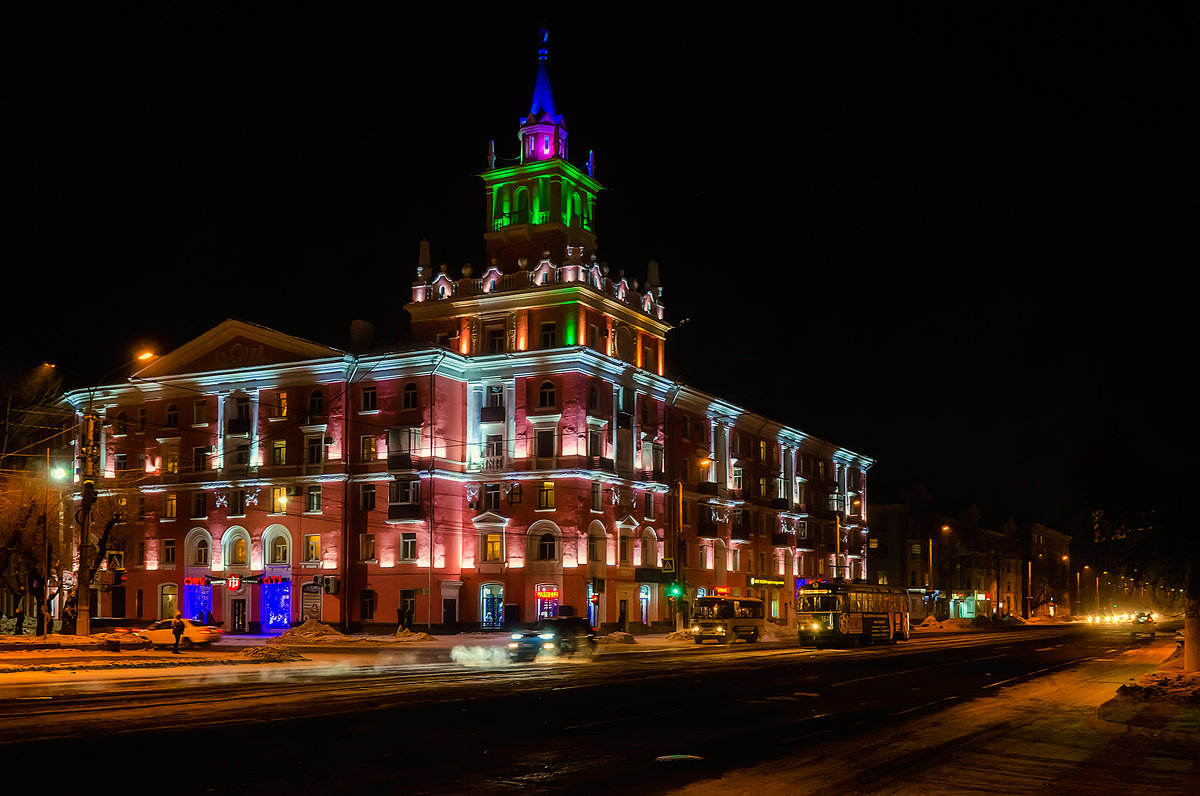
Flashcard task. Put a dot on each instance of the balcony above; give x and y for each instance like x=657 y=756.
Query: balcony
x=237 y=427
x=520 y=217
x=491 y=414
x=783 y=540
x=314 y=423
x=707 y=529
x=707 y=487
x=402 y=461
x=737 y=494
x=739 y=531
x=400 y=512
x=655 y=476
x=600 y=463
x=493 y=464
x=780 y=503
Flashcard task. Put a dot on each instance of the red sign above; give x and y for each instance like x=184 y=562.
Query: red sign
x=547 y=594
x=195 y=582
x=270 y=579
x=722 y=591
x=233 y=582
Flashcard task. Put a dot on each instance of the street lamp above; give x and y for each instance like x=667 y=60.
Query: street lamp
x=89 y=455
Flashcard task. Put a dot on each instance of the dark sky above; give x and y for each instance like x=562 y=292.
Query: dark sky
x=958 y=240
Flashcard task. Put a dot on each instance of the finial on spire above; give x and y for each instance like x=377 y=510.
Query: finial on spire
x=543 y=43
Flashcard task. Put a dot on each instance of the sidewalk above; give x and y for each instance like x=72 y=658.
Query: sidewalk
x=1164 y=703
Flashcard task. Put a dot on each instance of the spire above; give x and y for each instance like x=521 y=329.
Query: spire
x=543 y=98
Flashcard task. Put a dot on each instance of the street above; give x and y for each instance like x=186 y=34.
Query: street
x=988 y=712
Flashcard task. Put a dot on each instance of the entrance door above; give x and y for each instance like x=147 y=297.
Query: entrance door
x=118 y=601
x=238 y=607
x=449 y=611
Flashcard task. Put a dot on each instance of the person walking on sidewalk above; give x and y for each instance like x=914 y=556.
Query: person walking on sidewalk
x=19 y=627
x=177 y=629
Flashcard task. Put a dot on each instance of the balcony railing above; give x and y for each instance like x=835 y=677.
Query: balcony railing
x=402 y=461
x=707 y=529
x=783 y=540
x=600 y=463
x=491 y=414
x=493 y=464
x=237 y=426
x=398 y=512
x=779 y=503
x=520 y=217
x=707 y=487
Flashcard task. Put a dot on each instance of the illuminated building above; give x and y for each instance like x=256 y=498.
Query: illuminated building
x=518 y=459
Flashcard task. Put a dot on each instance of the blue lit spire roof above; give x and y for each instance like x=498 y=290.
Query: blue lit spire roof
x=543 y=98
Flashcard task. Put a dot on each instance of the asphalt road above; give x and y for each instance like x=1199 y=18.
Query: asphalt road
x=721 y=717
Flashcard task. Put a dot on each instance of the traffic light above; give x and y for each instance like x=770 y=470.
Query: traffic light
x=674 y=592
x=596 y=599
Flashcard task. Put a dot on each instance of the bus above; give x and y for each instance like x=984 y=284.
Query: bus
x=727 y=619
x=849 y=612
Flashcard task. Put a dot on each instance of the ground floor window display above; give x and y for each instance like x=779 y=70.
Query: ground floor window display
x=547 y=600
x=492 y=605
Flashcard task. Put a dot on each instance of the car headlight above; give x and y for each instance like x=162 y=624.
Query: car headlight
x=695 y=628
x=515 y=636
x=816 y=626
x=545 y=636
x=547 y=646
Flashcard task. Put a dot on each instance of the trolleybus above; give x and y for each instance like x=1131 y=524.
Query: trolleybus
x=848 y=612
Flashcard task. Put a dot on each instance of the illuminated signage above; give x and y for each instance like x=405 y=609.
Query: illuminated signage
x=547 y=594
x=195 y=581
x=722 y=591
x=753 y=581
x=233 y=582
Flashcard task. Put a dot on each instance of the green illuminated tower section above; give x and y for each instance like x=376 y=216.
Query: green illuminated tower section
x=542 y=203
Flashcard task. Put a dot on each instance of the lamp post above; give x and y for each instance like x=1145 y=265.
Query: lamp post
x=89 y=456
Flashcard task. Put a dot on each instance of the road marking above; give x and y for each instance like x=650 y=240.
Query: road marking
x=919 y=668
x=1038 y=671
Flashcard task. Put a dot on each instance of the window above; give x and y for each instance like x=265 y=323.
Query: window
x=241 y=456
x=199 y=412
x=200 y=459
x=168 y=551
x=623 y=549
x=406 y=439
x=170 y=506
x=544 y=443
x=410 y=396
x=762 y=487
x=141 y=424
x=172 y=416
x=316 y=403
x=595 y=443
x=595 y=548
x=492 y=547
x=762 y=450
x=368 y=446
x=120 y=426
x=683 y=513
x=684 y=422
x=593 y=399
x=408 y=547
x=366 y=547
x=495 y=340
x=491 y=497
x=545 y=494
x=139 y=553
x=549 y=335
x=546 y=394
x=200 y=558
x=649 y=501
x=737 y=477
x=278 y=499
x=312 y=547
x=404 y=492
x=279 y=550
x=547 y=549
x=199 y=505
x=366 y=497
x=367 y=604
x=239 y=551
x=278 y=452
x=597 y=496
x=312 y=499
x=315 y=447
x=369 y=400
x=279 y=407
x=237 y=503
x=121 y=462
x=516 y=495
x=241 y=407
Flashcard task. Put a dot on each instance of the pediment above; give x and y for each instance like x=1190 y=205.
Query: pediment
x=628 y=521
x=236 y=344
x=489 y=519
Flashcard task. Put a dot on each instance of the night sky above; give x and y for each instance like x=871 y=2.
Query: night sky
x=956 y=240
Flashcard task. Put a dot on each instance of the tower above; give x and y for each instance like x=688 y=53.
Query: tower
x=543 y=203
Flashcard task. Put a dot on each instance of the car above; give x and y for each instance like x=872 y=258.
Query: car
x=1142 y=624
x=195 y=634
x=560 y=635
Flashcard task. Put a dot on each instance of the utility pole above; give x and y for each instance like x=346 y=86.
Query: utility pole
x=89 y=459
x=680 y=620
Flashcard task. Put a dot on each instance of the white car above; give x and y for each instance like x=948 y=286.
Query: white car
x=160 y=634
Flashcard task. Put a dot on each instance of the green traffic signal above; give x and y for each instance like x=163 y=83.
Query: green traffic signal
x=674 y=590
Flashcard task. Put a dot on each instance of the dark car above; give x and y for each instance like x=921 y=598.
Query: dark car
x=562 y=635
x=1142 y=625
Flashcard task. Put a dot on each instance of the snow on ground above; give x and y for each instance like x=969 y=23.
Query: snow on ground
x=1168 y=683
x=272 y=654
x=616 y=637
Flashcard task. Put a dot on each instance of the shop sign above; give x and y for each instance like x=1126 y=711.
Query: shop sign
x=547 y=594
x=722 y=591
x=234 y=582
x=753 y=581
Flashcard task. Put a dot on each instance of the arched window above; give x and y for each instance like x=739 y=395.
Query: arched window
x=547 y=549
x=200 y=557
x=410 y=396
x=239 y=551
x=172 y=416
x=593 y=402
x=316 y=403
x=279 y=550
x=546 y=394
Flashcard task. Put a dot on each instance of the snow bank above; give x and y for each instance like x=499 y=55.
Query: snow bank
x=272 y=654
x=774 y=632
x=679 y=635
x=307 y=633
x=404 y=634
x=616 y=637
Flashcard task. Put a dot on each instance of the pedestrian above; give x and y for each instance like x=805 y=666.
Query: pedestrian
x=177 y=630
x=399 y=619
x=19 y=628
x=408 y=619
x=209 y=619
